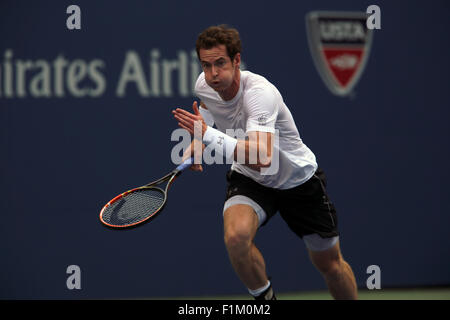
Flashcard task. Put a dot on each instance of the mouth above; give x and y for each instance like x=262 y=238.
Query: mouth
x=215 y=84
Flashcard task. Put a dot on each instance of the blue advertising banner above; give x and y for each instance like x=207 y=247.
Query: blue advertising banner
x=86 y=94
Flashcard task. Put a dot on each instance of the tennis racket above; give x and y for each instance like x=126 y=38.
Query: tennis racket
x=140 y=205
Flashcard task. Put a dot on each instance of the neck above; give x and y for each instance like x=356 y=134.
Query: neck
x=233 y=89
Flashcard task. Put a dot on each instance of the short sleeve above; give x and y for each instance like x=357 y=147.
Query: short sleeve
x=262 y=109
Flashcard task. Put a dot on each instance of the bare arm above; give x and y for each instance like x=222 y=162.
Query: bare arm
x=256 y=152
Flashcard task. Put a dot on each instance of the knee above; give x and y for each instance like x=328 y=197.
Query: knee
x=237 y=239
x=240 y=225
x=330 y=267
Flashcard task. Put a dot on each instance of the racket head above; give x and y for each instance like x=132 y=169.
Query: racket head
x=140 y=205
x=133 y=207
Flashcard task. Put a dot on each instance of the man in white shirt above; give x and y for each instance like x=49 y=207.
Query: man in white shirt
x=283 y=177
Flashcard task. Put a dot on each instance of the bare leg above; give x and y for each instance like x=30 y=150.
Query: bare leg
x=240 y=226
x=337 y=273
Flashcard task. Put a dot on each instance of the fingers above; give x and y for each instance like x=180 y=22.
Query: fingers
x=182 y=112
x=195 y=108
x=184 y=119
x=189 y=125
x=186 y=128
x=187 y=120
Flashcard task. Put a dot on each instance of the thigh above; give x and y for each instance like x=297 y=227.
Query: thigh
x=245 y=191
x=240 y=221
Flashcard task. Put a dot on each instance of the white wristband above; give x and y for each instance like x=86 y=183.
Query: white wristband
x=222 y=143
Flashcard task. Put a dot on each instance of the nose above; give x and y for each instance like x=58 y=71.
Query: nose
x=214 y=71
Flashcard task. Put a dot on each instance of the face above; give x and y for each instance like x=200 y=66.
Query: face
x=220 y=71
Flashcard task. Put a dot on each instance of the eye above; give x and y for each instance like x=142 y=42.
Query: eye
x=221 y=63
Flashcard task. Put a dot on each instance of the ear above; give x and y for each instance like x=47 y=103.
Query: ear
x=237 y=60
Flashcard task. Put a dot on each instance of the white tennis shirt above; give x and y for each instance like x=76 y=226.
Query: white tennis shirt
x=259 y=106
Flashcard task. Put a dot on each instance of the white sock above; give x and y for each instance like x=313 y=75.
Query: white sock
x=258 y=291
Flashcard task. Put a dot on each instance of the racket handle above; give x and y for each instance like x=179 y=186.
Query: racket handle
x=187 y=163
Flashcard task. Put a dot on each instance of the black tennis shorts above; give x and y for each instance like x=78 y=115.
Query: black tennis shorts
x=307 y=209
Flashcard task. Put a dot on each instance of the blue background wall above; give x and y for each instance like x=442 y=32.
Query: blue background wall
x=385 y=150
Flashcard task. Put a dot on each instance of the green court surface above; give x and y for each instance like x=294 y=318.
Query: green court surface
x=382 y=294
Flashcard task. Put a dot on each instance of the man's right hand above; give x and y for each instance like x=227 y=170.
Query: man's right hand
x=196 y=167
x=190 y=153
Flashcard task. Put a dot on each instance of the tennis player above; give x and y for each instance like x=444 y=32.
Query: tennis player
x=235 y=99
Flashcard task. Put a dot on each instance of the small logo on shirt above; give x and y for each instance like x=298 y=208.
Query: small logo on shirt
x=262 y=120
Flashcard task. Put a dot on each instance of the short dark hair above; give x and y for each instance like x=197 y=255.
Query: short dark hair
x=217 y=35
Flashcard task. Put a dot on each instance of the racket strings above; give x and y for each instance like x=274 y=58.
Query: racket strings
x=134 y=207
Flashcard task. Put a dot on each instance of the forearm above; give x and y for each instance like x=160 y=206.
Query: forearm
x=254 y=152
